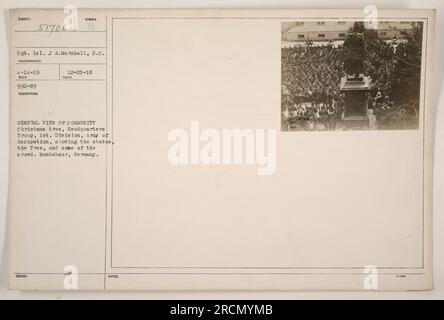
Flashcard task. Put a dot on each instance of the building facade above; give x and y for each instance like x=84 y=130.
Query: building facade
x=301 y=31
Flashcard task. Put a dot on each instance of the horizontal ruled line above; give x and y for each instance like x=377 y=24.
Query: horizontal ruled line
x=60 y=47
x=60 y=79
x=217 y=273
x=64 y=63
x=51 y=31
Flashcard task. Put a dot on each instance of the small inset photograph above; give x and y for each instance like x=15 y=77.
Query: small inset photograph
x=343 y=75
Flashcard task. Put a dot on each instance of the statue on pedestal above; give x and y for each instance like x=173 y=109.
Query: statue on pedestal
x=355 y=85
x=354 y=51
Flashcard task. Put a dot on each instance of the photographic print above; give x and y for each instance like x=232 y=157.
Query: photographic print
x=144 y=153
x=341 y=75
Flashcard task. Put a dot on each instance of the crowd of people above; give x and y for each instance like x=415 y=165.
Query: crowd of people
x=311 y=96
x=318 y=68
x=314 y=115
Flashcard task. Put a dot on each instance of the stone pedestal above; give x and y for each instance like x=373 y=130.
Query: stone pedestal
x=355 y=104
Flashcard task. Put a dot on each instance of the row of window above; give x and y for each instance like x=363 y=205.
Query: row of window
x=340 y=35
x=321 y=35
x=319 y=23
